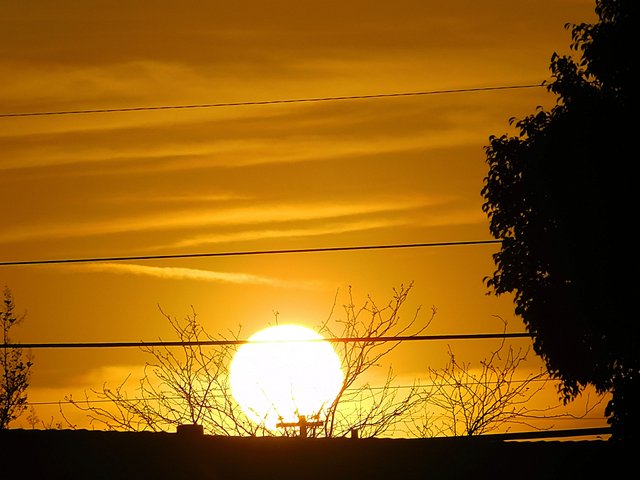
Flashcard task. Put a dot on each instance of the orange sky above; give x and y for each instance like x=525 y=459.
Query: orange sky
x=395 y=170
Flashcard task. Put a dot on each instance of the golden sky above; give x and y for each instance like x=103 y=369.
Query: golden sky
x=301 y=175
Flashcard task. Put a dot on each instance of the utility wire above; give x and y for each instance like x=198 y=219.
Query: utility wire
x=209 y=395
x=269 y=102
x=179 y=343
x=360 y=389
x=247 y=252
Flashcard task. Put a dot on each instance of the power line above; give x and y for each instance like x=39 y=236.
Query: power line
x=179 y=343
x=349 y=389
x=538 y=434
x=269 y=102
x=352 y=389
x=247 y=252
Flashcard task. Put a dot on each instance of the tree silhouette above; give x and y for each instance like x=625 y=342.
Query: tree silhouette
x=14 y=370
x=191 y=385
x=185 y=385
x=360 y=407
x=465 y=399
x=558 y=194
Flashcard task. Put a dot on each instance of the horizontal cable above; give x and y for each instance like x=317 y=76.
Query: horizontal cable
x=268 y=102
x=573 y=432
x=162 y=343
x=247 y=253
x=351 y=390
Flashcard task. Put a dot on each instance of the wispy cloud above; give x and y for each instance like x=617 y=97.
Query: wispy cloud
x=178 y=273
x=122 y=150
x=249 y=235
x=234 y=216
x=129 y=199
x=444 y=218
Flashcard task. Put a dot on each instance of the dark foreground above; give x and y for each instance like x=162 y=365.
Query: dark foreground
x=81 y=454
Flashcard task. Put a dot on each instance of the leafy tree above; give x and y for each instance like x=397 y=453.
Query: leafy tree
x=558 y=195
x=14 y=370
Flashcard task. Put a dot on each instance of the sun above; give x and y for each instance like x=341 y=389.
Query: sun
x=280 y=374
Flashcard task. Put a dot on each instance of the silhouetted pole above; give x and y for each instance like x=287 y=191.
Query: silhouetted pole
x=302 y=424
x=190 y=430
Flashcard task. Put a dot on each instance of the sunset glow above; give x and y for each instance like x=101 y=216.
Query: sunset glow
x=217 y=162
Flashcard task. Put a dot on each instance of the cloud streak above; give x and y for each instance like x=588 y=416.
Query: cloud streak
x=238 y=216
x=180 y=273
x=250 y=235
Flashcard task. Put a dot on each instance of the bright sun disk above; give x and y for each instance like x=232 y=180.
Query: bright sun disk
x=286 y=376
